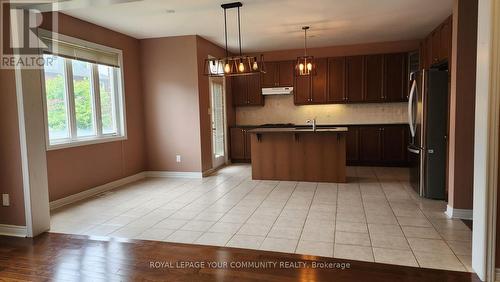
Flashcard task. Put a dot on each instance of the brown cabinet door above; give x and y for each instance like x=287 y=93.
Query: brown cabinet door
x=336 y=80
x=352 y=144
x=374 y=78
x=248 y=147
x=270 y=78
x=428 y=48
x=237 y=136
x=396 y=77
x=285 y=73
x=436 y=43
x=239 y=90
x=354 y=76
x=254 y=91
x=445 y=40
x=370 y=147
x=319 y=81
x=394 y=144
x=423 y=54
x=302 y=90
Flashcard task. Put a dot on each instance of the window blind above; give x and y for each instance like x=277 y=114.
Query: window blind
x=82 y=53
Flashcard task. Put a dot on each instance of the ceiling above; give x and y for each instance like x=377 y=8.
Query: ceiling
x=272 y=24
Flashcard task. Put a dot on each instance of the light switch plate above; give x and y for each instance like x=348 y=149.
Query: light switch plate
x=178 y=158
x=5 y=200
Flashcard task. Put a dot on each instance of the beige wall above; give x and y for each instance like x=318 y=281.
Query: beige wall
x=77 y=169
x=172 y=118
x=280 y=109
x=462 y=105
x=11 y=181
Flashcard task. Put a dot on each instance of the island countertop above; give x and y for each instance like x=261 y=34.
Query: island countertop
x=297 y=130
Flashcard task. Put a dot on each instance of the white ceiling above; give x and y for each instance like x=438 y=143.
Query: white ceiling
x=273 y=24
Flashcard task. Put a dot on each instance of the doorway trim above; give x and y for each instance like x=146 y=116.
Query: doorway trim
x=486 y=143
x=224 y=128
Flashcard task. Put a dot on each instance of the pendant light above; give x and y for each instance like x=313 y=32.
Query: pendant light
x=305 y=64
x=234 y=65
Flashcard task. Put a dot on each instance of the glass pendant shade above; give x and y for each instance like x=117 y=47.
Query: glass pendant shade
x=305 y=64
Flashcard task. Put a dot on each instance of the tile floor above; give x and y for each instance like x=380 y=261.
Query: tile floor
x=375 y=217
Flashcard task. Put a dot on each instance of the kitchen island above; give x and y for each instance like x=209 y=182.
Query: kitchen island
x=299 y=154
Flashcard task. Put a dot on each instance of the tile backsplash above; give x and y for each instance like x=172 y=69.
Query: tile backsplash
x=281 y=109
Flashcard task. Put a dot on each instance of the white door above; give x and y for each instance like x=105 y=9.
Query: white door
x=218 y=121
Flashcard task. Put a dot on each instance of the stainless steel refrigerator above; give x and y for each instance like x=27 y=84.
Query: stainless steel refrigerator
x=428 y=121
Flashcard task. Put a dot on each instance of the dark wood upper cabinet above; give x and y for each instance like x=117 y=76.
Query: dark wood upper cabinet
x=374 y=78
x=319 y=81
x=246 y=90
x=271 y=77
x=445 y=34
x=254 y=91
x=428 y=47
x=394 y=144
x=237 y=136
x=370 y=144
x=396 y=77
x=436 y=45
x=239 y=90
x=336 y=80
x=285 y=73
x=302 y=90
x=278 y=74
x=354 y=78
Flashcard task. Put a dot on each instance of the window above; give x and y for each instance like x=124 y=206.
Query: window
x=83 y=99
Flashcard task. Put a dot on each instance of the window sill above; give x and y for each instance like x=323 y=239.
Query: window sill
x=85 y=142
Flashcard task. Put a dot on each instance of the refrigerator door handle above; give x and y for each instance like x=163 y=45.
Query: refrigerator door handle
x=414 y=150
x=411 y=120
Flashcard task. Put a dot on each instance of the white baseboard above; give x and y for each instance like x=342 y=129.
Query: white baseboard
x=174 y=174
x=117 y=183
x=458 y=213
x=96 y=190
x=13 y=230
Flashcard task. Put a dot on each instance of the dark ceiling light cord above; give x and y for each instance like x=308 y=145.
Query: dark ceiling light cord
x=234 y=65
x=225 y=31
x=239 y=28
x=305 y=28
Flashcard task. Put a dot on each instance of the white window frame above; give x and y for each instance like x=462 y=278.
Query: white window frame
x=119 y=109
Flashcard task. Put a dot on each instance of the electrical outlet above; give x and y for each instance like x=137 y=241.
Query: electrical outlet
x=178 y=158
x=5 y=200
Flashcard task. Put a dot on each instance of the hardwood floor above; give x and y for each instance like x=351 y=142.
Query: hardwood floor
x=60 y=257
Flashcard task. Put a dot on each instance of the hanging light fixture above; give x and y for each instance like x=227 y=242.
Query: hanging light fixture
x=234 y=65
x=305 y=64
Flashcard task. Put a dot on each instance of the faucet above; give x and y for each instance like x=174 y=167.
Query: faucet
x=313 y=122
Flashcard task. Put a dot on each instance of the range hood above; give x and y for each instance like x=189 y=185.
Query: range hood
x=277 y=91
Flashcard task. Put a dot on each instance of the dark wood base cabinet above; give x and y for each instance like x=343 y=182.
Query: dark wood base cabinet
x=240 y=144
x=378 y=145
x=366 y=145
